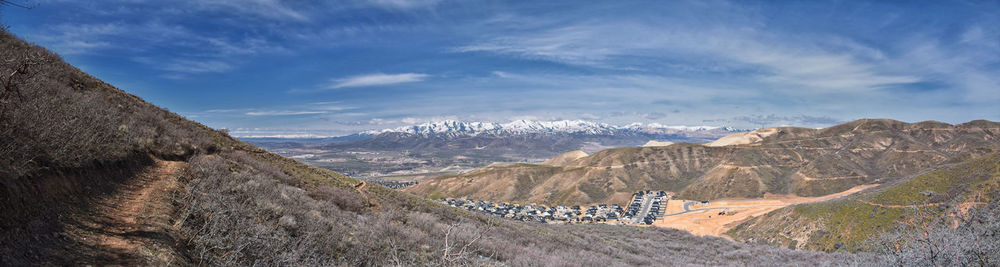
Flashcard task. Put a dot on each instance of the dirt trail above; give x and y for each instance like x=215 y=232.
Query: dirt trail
x=807 y=178
x=131 y=226
x=360 y=187
x=917 y=206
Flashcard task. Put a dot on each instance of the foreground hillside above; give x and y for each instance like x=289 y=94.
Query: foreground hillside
x=93 y=175
x=798 y=161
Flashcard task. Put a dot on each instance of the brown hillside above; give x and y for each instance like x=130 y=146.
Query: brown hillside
x=804 y=162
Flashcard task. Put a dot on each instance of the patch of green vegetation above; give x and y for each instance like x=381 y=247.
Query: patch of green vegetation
x=823 y=187
x=594 y=189
x=529 y=178
x=847 y=223
x=563 y=196
x=773 y=179
x=751 y=156
x=944 y=184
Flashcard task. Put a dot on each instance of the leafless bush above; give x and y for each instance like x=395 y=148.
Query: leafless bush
x=22 y=66
x=55 y=116
x=455 y=252
x=342 y=197
x=969 y=238
x=245 y=217
x=241 y=214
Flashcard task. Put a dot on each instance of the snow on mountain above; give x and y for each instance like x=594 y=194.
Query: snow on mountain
x=539 y=127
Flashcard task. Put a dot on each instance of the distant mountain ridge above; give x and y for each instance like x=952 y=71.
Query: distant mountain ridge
x=527 y=139
x=444 y=145
x=541 y=127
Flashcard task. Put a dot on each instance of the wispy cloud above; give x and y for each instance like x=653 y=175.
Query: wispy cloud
x=376 y=79
x=818 y=63
x=404 y=4
x=160 y=45
x=196 y=66
x=773 y=120
x=501 y=74
x=271 y=9
x=73 y=39
x=282 y=113
x=969 y=66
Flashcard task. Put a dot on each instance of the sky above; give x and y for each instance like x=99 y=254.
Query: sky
x=339 y=67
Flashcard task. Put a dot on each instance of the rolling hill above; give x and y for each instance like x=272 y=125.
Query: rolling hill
x=786 y=160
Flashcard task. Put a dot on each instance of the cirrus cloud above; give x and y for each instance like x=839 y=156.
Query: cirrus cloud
x=282 y=113
x=376 y=79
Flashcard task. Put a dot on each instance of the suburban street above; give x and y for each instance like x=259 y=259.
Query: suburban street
x=647 y=203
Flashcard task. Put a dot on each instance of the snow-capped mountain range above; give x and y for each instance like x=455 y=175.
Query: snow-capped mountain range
x=445 y=144
x=539 y=127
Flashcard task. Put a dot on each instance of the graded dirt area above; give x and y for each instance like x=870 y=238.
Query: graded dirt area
x=705 y=219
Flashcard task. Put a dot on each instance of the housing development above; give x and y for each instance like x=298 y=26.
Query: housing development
x=645 y=208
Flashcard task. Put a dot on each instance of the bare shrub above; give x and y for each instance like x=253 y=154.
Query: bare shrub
x=969 y=238
x=52 y=115
x=345 y=199
x=242 y=214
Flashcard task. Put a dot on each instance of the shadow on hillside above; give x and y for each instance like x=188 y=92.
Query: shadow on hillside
x=38 y=209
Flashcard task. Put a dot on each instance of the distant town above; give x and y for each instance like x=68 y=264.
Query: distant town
x=391 y=183
x=645 y=208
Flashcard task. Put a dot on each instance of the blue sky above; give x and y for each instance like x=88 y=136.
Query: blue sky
x=337 y=67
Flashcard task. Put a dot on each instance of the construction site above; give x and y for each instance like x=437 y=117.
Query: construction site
x=649 y=208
